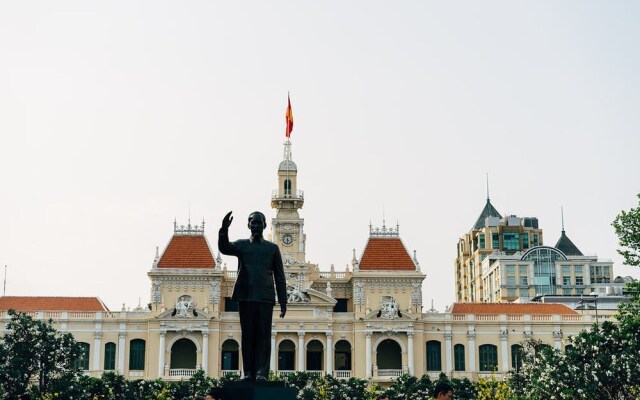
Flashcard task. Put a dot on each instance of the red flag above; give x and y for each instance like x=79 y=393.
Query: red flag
x=288 y=116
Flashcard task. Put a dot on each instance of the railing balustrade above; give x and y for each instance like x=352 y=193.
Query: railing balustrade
x=182 y=372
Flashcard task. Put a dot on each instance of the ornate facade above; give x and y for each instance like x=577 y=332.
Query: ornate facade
x=366 y=321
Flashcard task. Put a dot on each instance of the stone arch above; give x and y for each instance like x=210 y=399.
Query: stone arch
x=184 y=354
x=388 y=354
x=191 y=336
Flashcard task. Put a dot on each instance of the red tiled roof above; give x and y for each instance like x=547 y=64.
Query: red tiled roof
x=386 y=254
x=511 y=308
x=26 y=303
x=187 y=251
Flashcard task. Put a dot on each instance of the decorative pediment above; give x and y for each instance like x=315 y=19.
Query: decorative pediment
x=195 y=314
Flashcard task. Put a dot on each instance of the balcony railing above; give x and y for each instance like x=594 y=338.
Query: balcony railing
x=231 y=372
x=285 y=373
x=342 y=374
x=389 y=373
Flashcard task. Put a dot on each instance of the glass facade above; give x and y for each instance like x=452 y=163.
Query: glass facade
x=544 y=268
x=511 y=241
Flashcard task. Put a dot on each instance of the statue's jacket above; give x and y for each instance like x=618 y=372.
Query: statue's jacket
x=259 y=267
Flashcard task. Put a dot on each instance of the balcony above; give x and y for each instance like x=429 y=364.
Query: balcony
x=181 y=372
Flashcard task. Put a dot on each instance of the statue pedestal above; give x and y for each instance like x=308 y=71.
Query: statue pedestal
x=248 y=390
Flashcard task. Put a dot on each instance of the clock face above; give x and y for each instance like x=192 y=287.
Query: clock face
x=287 y=239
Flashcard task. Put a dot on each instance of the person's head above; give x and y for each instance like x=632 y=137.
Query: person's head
x=257 y=223
x=214 y=394
x=443 y=391
x=382 y=397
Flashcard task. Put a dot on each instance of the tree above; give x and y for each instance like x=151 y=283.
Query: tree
x=627 y=226
x=601 y=363
x=34 y=349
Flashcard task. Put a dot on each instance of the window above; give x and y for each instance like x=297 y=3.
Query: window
x=579 y=280
x=511 y=280
x=495 y=241
x=578 y=269
x=605 y=270
x=516 y=357
x=481 y=243
x=109 y=356
x=511 y=293
x=341 y=305
x=566 y=291
x=511 y=241
x=511 y=269
x=566 y=270
x=535 y=240
x=287 y=188
x=488 y=357
x=566 y=280
x=524 y=281
x=136 y=355
x=525 y=240
x=458 y=357
x=82 y=362
x=523 y=270
x=434 y=361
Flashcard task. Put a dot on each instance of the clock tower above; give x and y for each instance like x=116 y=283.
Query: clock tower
x=287 y=227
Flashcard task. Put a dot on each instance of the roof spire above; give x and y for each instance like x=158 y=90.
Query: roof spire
x=562 y=217
x=487 y=174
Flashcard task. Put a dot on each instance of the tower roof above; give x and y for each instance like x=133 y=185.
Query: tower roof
x=386 y=253
x=188 y=248
x=52 y=303
x=566 y=246
x=487 y=211
x=287 y=165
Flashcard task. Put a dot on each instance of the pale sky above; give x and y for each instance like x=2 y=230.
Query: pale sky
x=117 y=117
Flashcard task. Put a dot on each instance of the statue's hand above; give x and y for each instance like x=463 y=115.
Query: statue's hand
x=226 y=221
x=283 y=310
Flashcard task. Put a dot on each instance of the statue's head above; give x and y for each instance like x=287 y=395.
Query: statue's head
x=257 y=223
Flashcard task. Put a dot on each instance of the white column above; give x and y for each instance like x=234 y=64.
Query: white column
x=121 y=344
x=448 y=352
x=161 y=352
x=205 y=351
x=557 y=338
x=272 y=362
x=504 y=348
x=410 y=355
x=471 y=336
x=96 y=351
x=329 y=363
x=301 y=351
x=367 y=355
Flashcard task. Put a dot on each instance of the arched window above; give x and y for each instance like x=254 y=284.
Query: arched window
x=230 y=352
x=389 y=355
x=183 y=354
x=136 y=355
x=314 y=355
x=516 y=357
x=82 y=362
x=488 y=357
x=343 y=356
x=110 y=356
x=287 y=188
x=458 y=357
x=286 y=356
x=434 y=356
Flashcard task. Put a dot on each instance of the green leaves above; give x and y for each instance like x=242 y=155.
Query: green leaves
x=627 y=227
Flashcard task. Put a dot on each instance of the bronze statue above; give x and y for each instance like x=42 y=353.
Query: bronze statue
x=259 y=267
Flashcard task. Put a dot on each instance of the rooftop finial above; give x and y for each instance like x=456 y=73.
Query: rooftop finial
x=487 y=174
x=562 y=218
